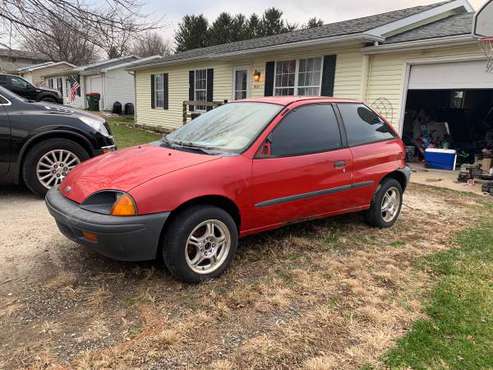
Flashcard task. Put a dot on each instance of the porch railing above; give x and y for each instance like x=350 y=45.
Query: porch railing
x=191 y=114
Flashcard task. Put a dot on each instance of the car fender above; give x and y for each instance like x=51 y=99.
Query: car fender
x=45 y=135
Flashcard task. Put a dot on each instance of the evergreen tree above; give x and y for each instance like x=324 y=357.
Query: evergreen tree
x=192 y=33
x=314 y=23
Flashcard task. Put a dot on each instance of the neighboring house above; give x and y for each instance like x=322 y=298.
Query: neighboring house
x=378 y=58
x=109 y=78
x=36 y=73
x=11 y=59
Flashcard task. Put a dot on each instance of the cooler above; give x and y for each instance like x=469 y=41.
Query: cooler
x=441 y=159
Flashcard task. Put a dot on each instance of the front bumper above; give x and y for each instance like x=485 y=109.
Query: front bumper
x=120 y=238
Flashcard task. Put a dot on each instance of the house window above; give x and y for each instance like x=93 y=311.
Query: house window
x=159 y=91
x=200 y=88
x=298 y=77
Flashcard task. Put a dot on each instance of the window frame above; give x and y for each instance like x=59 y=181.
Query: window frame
x=296 y=86
x=156 y=90
x=342 y=133
x=8 y=102
x=200 y=108
x=348 y=145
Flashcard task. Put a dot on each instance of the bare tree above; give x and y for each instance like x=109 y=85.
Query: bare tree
x=149 y=44
x=101 y=25
x=58 y=42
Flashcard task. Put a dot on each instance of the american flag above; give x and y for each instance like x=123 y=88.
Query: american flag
x=73 y=89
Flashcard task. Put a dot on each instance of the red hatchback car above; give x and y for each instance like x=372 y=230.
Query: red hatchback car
x=240 y=169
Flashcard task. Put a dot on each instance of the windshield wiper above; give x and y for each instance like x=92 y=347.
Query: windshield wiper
x=191 y=146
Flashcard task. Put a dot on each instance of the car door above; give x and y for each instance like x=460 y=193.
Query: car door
x=5 y=136
x=375 y=149
x=302 y=170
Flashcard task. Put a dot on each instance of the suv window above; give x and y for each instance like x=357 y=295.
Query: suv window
x=307 y=129
x=363 y=126
x=3 y=101
x=18 y=82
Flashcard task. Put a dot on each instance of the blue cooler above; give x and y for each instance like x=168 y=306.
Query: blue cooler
x=441 y=159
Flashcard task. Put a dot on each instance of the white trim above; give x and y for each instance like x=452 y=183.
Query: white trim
x=420 y=44
x=430 y=15
x=126 y=65
x=475 y=19
x=248 y=87
x=103 y=62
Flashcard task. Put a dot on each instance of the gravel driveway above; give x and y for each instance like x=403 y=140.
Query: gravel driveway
x=325 y=294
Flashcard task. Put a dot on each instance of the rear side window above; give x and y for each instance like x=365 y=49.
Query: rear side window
x=363 y=126
x=307 y=129
x=3 y=101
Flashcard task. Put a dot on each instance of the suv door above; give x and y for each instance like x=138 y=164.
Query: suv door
x=302 y=169
x=5 y=136
x=21 y=87
x=375 y=149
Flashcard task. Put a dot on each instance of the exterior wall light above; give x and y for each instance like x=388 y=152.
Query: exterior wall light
x=256 y=76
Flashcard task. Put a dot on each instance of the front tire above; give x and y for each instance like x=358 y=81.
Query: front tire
x=200 y=243
x=47 y=163
x=386 y=205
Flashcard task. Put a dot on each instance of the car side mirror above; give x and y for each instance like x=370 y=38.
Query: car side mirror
x=265 y=150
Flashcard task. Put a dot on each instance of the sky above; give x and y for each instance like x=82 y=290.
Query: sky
x=295 y=11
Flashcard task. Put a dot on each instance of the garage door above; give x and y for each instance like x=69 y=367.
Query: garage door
x=94 y=84
x=459 y=75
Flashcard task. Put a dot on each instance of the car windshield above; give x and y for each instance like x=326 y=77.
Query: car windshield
x=229 y=128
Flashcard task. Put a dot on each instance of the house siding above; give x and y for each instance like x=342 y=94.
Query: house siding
x=348 y=82
x=387 y=76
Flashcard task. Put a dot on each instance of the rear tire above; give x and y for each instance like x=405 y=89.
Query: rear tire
x=200 y=243
x=32 y=166
x=386 y=205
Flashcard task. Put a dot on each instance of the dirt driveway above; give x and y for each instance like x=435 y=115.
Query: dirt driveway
x=318 y=295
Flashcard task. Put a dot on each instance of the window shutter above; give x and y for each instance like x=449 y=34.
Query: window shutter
x=269 y=79
x=153 y=97
x=210 y=86
x=191 y=89
x=329 y=74
x=165 y=91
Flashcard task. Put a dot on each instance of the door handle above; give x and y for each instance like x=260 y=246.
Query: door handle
x=340 y=164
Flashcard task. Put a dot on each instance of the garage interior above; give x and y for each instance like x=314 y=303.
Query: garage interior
x=449 y=110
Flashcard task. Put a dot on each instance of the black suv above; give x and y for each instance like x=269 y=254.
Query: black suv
x=41 y=142
x=23 y=88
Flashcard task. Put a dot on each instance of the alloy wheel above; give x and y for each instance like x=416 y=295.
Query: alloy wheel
x=53 y=166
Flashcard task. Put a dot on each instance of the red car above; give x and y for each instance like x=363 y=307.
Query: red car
x=240 y=169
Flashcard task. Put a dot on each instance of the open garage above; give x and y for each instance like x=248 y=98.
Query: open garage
x=450 y=106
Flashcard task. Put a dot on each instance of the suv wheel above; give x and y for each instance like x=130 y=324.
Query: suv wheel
x=386 y=205
x=47 y=163
x=200 y=243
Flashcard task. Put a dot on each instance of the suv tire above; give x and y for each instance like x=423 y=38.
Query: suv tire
x=36 y=153
x=200 y=243
x=386 y=205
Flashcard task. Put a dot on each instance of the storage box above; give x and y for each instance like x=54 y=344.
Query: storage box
x=441 y=159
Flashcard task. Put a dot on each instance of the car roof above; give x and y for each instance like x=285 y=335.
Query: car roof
x=287 y=100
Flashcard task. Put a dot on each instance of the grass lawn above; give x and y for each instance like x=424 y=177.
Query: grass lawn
x=125 y=135
x=459 y=331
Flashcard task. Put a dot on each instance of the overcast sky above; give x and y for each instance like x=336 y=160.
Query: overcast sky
x=295 y=11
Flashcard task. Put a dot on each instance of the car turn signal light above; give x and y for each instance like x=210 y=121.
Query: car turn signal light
x=124 y=206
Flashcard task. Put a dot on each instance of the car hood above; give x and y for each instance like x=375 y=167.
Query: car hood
x=123 y=170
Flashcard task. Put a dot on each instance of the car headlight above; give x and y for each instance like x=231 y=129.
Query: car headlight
x=96 y=124
x=110 y=202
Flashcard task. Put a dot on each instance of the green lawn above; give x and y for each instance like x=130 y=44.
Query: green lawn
x=459 y=331
x=125 y=135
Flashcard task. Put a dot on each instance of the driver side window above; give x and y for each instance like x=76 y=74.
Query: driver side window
x=306 y=130
x=19 y=83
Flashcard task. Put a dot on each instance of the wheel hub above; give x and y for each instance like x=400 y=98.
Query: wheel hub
x=53 y=166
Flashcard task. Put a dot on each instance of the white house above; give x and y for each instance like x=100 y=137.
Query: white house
x=109 y=78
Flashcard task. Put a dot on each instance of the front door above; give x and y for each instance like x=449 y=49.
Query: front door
x=302 y=170
x=241 y=83
x=5 y=134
